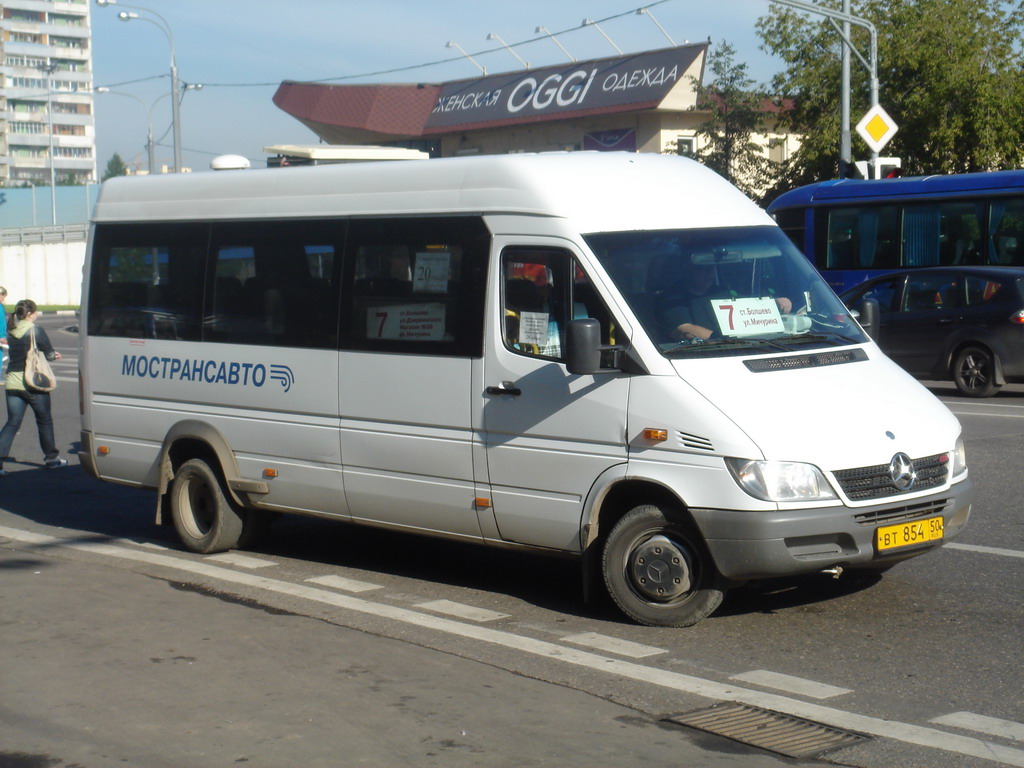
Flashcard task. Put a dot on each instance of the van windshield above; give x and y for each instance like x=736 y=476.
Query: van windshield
x=709 y=292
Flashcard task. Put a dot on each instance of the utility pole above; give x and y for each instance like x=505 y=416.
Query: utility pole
x=870 y=63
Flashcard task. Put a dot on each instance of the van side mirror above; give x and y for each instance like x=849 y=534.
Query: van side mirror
x=585 y=354
x=583 y=346
x=869 y=317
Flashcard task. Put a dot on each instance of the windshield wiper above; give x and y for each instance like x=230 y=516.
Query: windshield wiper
x=729 y=344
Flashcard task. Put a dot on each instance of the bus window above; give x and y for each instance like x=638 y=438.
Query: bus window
x=143 y=281
x=274 y=283
x=417 y=286
x=863 y=237
x=946 y=234
x=1006 y=223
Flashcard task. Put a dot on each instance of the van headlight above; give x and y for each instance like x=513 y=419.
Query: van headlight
x=780 y=480
x=959 y=459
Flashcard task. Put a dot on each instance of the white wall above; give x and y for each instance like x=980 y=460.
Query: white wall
x=47 y=273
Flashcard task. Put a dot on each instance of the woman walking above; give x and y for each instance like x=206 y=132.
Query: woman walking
x=21 y=328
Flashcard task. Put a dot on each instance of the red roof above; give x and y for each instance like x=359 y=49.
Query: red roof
x=400 y=110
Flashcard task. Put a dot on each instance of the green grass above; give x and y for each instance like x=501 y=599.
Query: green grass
x=49 y=307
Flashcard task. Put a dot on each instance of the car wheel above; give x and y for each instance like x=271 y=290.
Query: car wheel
x=658 y=571
x=974 y=371
x=205 y=518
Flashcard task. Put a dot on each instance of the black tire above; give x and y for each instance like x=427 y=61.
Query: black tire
x=974 y=372
x=206 y=519
x=255 y=527
x=658 y=570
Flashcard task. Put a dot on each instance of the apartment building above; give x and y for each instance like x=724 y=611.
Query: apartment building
x=47 y=126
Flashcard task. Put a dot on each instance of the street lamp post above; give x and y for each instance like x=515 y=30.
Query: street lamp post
x=150 y=159
x=871 y=63
x=49 y=69
x=166 y=29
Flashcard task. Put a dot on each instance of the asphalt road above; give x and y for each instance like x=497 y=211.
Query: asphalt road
x=334 y=645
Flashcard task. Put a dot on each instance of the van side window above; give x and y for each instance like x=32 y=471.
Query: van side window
x=274 y=283
x=416 y=286
x=144 y=278
x=542 y=290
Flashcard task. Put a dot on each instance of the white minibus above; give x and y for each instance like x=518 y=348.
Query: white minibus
x=608 y=355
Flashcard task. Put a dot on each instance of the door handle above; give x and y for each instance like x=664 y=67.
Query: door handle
x=505 y=388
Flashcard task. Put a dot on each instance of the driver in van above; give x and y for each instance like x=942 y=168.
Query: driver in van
x=687 y=307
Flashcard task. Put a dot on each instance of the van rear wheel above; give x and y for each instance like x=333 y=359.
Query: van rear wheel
x=205 y=518
x=658 y=571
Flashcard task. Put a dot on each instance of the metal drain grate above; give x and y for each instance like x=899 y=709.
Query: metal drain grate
x=783 y=734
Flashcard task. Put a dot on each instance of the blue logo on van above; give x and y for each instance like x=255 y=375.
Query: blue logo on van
x=283 y=374
x=206 y=371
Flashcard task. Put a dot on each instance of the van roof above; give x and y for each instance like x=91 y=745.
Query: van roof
x=598 y=191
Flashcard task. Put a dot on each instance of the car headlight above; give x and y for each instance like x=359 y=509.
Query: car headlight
x=959 y=459
x=780 y=480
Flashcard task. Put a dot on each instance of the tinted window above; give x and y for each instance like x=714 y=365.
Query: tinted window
x=417 y=285
x=885 y=292
x=932 y=290
x=274 y=283
x=1006 y=225
x=992 y=290
x=147 y=281
x=862 y=237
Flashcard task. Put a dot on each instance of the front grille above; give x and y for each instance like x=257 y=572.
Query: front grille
x=902 y=514
x=875 y=482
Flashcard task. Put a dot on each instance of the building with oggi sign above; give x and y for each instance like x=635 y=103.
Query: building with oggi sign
x=642 y=102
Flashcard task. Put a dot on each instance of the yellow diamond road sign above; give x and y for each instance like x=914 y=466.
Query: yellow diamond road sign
x=876 y=128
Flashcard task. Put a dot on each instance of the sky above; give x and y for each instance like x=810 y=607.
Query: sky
x=241 y=50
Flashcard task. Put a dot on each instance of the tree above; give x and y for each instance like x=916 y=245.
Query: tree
x=949 y=74
x=737 y=110
x=115 y=167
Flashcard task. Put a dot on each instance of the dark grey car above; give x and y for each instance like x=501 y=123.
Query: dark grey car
x=964 y=324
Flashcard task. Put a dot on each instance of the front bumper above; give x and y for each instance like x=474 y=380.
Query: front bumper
x=758 y=545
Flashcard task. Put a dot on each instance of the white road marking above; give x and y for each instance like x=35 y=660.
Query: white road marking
x=790 y=684
x=468 y=612
x=986 y=550
x=891 y=729
x=144 y=543
x=1006 y=729
x=613 y=645
x=344 y=584
x=242 y=561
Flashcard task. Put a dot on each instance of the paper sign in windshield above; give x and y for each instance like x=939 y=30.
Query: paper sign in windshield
x=406 y=322
x=747 y=317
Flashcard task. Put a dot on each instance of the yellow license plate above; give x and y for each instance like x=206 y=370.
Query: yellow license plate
x=906 y=534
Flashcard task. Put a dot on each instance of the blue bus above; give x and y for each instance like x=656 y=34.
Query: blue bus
x=855 y=229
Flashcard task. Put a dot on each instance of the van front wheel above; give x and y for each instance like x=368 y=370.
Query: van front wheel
x=658 y=571
x=204 y=517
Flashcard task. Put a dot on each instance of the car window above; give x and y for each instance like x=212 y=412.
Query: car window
x=885 y=292
x=931 y=291
x=988 y=290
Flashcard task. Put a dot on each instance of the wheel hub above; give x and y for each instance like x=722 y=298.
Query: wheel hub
x=660 y=568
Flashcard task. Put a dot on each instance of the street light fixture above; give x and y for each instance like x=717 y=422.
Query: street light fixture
x=592 y=23
x=164 y=27
x=647 y=12
x=542 y=30
x=456 y=46
x=494 y=36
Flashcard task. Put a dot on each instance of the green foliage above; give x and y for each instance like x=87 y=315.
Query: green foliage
x=115 y=167
x=737 y=110
x=949 y=74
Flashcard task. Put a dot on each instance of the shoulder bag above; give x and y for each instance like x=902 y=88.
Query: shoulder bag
x=38 y=373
